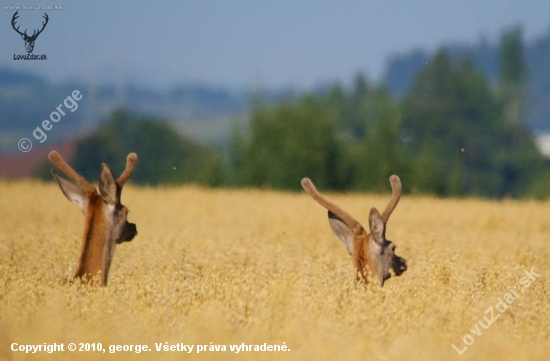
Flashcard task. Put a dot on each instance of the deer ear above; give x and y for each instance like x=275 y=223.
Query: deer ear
x=342 y=231
x=72 y=192
x=108 y=185
x=377 y=227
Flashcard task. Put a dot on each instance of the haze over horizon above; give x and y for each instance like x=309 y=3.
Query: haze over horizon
x=252 y=44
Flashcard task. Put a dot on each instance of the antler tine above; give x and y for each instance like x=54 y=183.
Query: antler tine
x=131 y=162
x=309 y=187
x=44 y=23
x=15 y=17
x=395 y=196
x=56 y=159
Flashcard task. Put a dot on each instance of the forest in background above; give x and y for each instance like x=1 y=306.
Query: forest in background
x=454 y=133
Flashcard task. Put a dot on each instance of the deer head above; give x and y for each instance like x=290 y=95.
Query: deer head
x=106 y=221
x=29 y=40
x=371 y=252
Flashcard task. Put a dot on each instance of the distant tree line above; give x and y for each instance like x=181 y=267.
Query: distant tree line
x=164 y=155
x=486 y=55
x=452 y=134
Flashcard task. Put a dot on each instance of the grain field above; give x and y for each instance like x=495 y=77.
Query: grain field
x=227 y=267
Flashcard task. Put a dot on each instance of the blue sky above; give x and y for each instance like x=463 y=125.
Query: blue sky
x=245 y=43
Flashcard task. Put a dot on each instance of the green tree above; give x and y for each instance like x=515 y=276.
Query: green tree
x=287 y=142
x=513 y=69
x=523 y=164
x=379 y=152
x=513 y=77
x=350 y=107
x=164 y=155
x=457 y=135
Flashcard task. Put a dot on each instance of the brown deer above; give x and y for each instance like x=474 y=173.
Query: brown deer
x=371 y=252
x=105 y=217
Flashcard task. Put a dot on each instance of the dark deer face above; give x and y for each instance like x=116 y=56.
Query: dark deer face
x=117 y=213
x=369 y=251
x=388 y=261
x=383 y=250
x=29 y=40
x=123 y=231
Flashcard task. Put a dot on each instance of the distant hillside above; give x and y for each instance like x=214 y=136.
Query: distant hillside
x=206 y=112
x=401 y=68
x=25 y=165
x=26 y=100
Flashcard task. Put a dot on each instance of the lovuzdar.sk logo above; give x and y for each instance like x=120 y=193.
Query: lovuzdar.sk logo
x=29 y=40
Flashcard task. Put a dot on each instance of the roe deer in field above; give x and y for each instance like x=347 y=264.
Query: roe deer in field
x=371 y=252
x=105 y=217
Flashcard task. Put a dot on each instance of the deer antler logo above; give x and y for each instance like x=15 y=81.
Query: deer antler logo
x=29 y=40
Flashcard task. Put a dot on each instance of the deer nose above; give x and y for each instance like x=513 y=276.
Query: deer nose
x=132 y=230
x=403 y=264
x=399 y=266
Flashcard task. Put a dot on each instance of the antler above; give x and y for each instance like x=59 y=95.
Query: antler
x=131 y=162
x=56 y=159
x=355 y=226
x=15 y=17
x=395 y=196
x=43 y=26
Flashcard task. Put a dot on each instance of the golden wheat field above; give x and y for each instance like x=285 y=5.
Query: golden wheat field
x=227 y=267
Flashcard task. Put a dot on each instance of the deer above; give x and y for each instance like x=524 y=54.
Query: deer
x=29 y=40
x=106 y=223
x=372 y=253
